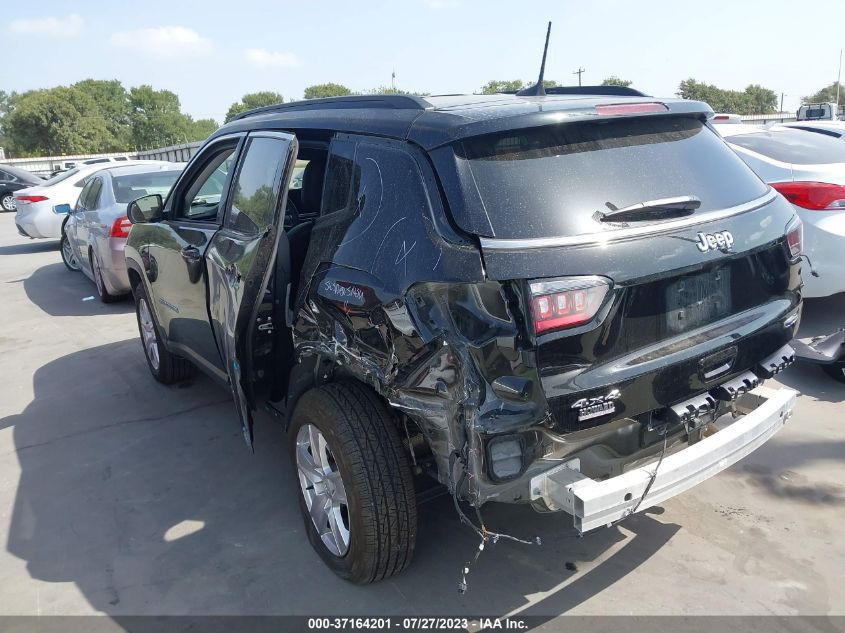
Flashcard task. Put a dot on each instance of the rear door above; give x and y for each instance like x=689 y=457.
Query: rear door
x=240 y=255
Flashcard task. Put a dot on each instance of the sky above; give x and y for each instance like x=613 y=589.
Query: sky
x=210 y=53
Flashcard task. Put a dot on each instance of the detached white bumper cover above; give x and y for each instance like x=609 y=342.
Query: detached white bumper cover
x=597 y=503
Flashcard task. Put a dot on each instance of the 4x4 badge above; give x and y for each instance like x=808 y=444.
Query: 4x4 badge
x=721 y=240
x=598 y=406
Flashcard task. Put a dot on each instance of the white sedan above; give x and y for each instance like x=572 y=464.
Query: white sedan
x=35 y=217
x=809 y=170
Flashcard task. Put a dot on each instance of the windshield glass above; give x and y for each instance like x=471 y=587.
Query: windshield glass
x=133 y=186
x=60 y=177
x=793 y=146
x=552 y=181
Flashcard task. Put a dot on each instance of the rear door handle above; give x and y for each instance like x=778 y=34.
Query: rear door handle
x=191 y=254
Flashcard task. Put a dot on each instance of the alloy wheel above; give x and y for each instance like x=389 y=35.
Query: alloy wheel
x=323 y=489
x=68 y=254
x=8 y=203
x=148 y=333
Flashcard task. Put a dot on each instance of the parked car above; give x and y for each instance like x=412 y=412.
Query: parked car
x=532 y=299
x=11 y=180
x=35 y=217
x=809 y=170
x=95 y=230
x=819 y=112
x=834 y=129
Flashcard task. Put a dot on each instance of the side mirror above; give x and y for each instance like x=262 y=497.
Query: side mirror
x=145 y=209
x=61 y=209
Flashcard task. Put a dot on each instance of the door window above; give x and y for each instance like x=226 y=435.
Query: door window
x=201 y=200
x=81 y=203
x=93 y=199
x=257 y=185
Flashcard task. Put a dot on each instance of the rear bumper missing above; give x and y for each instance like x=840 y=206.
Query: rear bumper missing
x=596 y=503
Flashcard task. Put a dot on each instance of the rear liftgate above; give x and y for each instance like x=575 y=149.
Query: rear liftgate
x=762 y=412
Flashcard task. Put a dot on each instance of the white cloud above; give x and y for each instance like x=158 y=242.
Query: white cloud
x=261 y=58
x=442 y=4
x=164 y=42
x=69 y=26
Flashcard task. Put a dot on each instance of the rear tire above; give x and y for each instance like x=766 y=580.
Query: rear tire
x=164 y=366
x=364 y=451
x=835 y=370
x=102 y=291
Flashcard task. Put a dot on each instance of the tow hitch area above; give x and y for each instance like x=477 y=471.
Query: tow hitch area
x=593 y=504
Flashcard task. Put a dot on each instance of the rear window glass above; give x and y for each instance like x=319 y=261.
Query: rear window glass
x=552 y=181
x=133 y=186
x=61 y=176
x=793 y=146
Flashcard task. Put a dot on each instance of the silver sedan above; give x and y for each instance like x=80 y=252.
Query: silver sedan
x=95 y=231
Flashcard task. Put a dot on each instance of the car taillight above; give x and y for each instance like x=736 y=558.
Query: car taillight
x=121 y=227
x=567 y=302
x=795 y=237
x=815 y=196
x=31 y=198
x=630 y=108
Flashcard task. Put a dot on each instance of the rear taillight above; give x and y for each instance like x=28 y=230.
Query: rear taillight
x=630 y=108
x=816 y=196
x=31 y=198
x=120 y=227
x=562 y=303
x=795 y=237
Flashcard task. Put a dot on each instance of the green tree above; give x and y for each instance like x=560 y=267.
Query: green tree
x=112 y=102
x=827 y=95
x=613 y=80
x=57 y=121
x=7 y=104
x=753 y=100
x=201 y=129
x=760 y=100
x=319 y=91
x=156 y=118
x=496 y=86
x=251 y=101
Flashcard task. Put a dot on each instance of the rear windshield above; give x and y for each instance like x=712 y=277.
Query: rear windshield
x=60 y=177
x=552 y=181
x=793 y=146
x=133 y=186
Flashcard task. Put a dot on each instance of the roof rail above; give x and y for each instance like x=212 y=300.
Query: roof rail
x=352 y=102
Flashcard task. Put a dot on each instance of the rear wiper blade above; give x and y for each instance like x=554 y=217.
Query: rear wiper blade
x=651 y=210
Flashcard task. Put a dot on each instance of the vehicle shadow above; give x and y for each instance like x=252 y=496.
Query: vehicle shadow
x=146 y=498
x=62 y=292
x=31 y=246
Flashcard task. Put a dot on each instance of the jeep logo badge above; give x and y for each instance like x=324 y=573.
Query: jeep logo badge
x=721 y=240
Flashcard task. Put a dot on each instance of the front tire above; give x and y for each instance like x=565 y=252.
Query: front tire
x=357 y=493
x=7 y=202
x=164 y=366
x=68 y=256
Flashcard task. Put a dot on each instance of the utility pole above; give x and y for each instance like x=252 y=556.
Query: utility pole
x=393 y=80
x=579 y=72
x=781 y=102
x=839 y=78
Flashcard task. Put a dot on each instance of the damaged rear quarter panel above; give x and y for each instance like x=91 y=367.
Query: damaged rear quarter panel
x=396 y=299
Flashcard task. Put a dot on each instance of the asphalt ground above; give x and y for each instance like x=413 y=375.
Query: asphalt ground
x=121 y=496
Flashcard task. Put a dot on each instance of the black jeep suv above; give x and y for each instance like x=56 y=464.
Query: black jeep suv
x=549 y=300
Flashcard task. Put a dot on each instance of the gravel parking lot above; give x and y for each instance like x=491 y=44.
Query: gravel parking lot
x=121 y=496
